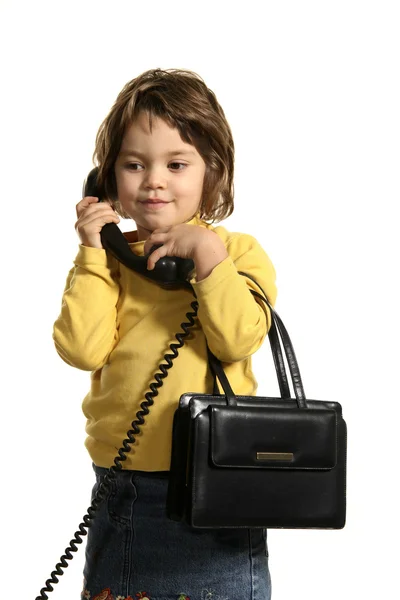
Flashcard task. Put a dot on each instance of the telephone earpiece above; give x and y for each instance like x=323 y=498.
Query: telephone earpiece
x=169 y=271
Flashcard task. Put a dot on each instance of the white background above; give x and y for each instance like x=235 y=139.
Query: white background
x=311 y=91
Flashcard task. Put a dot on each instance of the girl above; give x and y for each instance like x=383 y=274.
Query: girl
x=166 y=160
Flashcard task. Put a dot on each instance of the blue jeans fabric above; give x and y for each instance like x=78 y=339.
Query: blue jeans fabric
x=134 y=551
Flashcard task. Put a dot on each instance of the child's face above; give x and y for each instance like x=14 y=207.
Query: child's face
x=144 y=169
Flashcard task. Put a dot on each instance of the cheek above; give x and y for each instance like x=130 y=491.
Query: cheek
x=126 y=185
x=195 y=185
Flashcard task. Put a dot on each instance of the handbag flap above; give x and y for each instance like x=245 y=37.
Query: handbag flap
x=276 y=438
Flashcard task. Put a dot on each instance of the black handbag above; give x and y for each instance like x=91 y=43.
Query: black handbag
x=258 y=462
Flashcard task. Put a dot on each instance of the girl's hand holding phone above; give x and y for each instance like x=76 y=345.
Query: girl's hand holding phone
x=203 y=246
x=92 y=216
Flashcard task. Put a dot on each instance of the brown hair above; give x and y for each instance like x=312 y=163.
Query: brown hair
x=183 y=100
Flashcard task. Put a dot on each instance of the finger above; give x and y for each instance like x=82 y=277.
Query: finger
x=153 y=239
x=93 y=207
x=84 y=203
x=155 y=256
x=99 y=216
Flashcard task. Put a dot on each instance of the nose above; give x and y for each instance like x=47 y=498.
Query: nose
x=154 y=178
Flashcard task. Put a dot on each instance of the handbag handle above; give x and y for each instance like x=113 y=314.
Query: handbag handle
x=276 y=325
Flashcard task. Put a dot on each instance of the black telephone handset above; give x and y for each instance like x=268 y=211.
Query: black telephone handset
x=169 y=271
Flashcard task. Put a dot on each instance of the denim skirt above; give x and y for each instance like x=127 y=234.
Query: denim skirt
x=134 y=551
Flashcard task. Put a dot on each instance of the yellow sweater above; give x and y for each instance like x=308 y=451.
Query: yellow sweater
x=118 y=325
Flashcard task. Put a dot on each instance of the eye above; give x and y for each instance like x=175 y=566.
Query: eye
x=181 y=164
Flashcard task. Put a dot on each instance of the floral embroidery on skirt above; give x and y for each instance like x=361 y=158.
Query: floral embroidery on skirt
x=106 y=595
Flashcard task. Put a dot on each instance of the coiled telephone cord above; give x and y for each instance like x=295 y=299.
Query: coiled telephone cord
x=104 y=488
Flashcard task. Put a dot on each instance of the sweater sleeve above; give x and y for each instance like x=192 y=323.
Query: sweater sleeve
x=234 y=321
x=86 y=331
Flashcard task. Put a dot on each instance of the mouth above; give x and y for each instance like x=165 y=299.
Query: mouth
x=154 y=204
